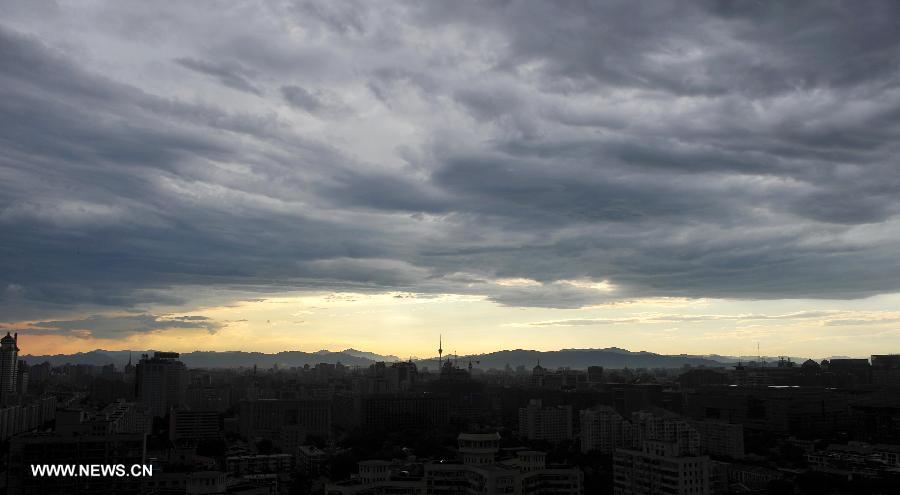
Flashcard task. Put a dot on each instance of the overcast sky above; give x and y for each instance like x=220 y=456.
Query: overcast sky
x=668 y=176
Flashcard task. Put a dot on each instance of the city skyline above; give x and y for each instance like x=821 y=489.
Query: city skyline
x=683 y=327
x=702 y=178
x=470 y=247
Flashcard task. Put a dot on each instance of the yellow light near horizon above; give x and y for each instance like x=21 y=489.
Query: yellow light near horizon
x=407 y=324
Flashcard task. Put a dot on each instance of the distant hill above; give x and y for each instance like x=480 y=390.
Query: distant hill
x=216 y=359
x=370 y=355
x=580 y=359
x=612 y=357
x=98 y=357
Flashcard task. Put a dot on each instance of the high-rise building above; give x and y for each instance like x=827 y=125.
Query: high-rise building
x=660 y=467
x=286 y=423
x=9 y=363
x=666 y=426
x=631 y=397
x=161 y=382
x=604 y=430
x=849 y=372
x=720 y=438
x=537 y=422
x=665 y=458
x=22 y=377
x=394 y=411
x=194 y=425
x=20 y=418
x=799 y=411
x=39 y=373
x=886 y=370
x=595 y=374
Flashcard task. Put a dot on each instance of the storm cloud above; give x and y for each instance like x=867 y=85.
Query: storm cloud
x=104 y=326
x=726 y=149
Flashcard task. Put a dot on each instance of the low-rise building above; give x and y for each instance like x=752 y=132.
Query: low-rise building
x=259 y=464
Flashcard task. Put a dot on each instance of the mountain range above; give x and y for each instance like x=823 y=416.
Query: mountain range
x=611 y=357
x=219 y=359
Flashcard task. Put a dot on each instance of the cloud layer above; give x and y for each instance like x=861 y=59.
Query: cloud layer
x=718 y=149
x=105 y=326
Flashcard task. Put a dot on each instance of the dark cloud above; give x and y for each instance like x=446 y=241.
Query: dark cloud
x=715 y=149
x=110 y=327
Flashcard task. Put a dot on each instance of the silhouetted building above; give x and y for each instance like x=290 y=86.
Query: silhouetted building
x=129 y=368
x=799 y=411
x=537 y=422
x=629 y=398
x=39 y=373
x=876 y=417
x=665 y=426
x=562 y=378
x=9 y=363
x=604 y=430
x=195 y=425
x=22 y=378
x=208 y=398
x=720 y=438
x=106 y=389
x=287 y=423
x=398 y=411
x=886 y=370
x=758 y=374
x=381 y=378
x=403 y=375
x=848 y=372
x=161 y=382
x=118 y=417
x=483 y=471
x=660 y=467
x=595 y=374
x=20 y=418
x=700 y=377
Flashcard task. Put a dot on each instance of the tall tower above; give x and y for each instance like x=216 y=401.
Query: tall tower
x=129 y=368
x=161 y=382
x=440 y=352
x=9 y=363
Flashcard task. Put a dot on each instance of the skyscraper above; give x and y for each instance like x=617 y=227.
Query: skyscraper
x=537 y=422
x=9 y=363
x=604 y=430
x=161 y=382
x=22 y=377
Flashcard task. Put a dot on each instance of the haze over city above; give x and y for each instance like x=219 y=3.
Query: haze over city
x=700 y=178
